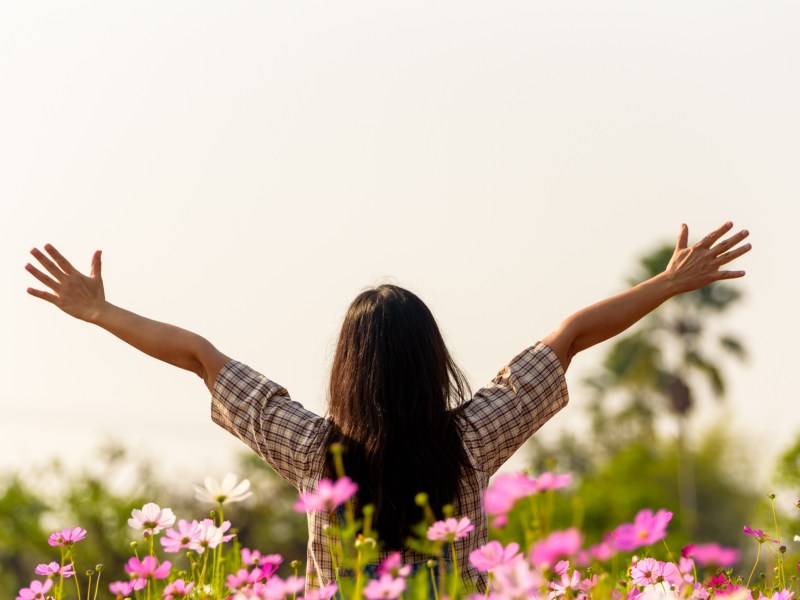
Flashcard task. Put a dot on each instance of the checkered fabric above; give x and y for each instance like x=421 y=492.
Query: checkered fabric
x=524 y=395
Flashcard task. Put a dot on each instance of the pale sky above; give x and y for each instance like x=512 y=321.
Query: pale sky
x=249 y=167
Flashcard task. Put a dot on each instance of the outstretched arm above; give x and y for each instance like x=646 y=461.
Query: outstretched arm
x=83 y=297
x=690 y=268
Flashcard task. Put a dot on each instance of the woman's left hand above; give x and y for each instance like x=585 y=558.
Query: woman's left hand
x=692 y=267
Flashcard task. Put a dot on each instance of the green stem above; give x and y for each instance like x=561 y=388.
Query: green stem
x=96 y=588
x=203 y=572
x=454 y=575
x=77 y=585
x=333 y=560
x=758 y=555
x=488 y=584
x=433 y=583
x=781 y=573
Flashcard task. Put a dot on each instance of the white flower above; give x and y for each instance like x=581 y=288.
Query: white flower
x=797 y=538
x=225 y=493
x=151 y=519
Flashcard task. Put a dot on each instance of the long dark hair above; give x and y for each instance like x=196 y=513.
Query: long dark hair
x=393 y=400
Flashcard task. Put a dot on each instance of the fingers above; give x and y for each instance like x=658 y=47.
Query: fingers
x=730 y=242
x=97 y=266
x=47 y=264
x=60 y=260
x=730 y=274
x=712 y=237
x=43 y=295
x=49 y=282
x=729 y=256
x=683 y=237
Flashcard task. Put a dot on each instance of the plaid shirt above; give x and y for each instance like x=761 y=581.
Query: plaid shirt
x=523 y=396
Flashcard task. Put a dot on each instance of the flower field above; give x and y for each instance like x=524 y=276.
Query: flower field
x=529 y=555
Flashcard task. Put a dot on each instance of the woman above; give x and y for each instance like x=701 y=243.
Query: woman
x=397 y=401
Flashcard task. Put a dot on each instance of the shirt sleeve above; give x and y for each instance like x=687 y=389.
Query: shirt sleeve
x=260 y=413
x=523 y=396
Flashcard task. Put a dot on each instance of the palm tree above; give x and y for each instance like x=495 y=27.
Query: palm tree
x=662 y=366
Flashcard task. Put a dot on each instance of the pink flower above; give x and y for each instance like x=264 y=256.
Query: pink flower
x=393 y=565
x=54 y=568
x=450 y=529
x=759 y=535
x=549 y=481
x=123 y=589
x=568 y=583
x=249 y=557
x=324 y=593
x=490 y=556
x=147 y=568
x=276 y=588
x=211 y=536
x=515 y=579
x=782 y=595
x=558 y=544
x=647 y=571
x=186 y=534
x=602 y=551
x=152 y=519
x=66 y=537
x=711 y=554
x=328 y=495
x=504 y=492
x=646 y=529
x=36 y=591
x=385 y=587
x=177 y=589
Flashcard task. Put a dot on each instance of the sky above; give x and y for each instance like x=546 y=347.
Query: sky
x=247 y=168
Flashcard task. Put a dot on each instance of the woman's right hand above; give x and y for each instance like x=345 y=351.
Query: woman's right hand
x=73 y=292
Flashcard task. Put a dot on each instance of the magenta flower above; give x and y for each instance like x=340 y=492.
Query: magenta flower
x=66 y=537
x=646 y=529
x=504 y=492
x=211 y=536
x=385 y=587
x=759 y=535
x=152 y=519
x=123 y=589
x=177 y=589
x=250 y=558
x=323 y=593
x=187 y=534
x=393 y=565
x=328 y=495
x=36 y=591
x=450 y=529
x=559 y=544
x=549 y=481
x=147 y=568
x=54 y=568
x=490 y=556
x=711 y=554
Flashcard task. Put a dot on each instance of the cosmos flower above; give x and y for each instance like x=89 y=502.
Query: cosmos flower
x=227 y=492
x=386 y=587
x=646 y=529
x=450 y=529
x=328 y=496
x=66 y=537
x=151 y=519
x=492 y=555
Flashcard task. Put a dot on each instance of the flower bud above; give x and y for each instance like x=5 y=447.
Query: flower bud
x=431 y=564
x=89 y=573
x=771 y=496
x=133 y=545
x=99 y=568
x=782 y=549
x=421 y=499
x=295 y=564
